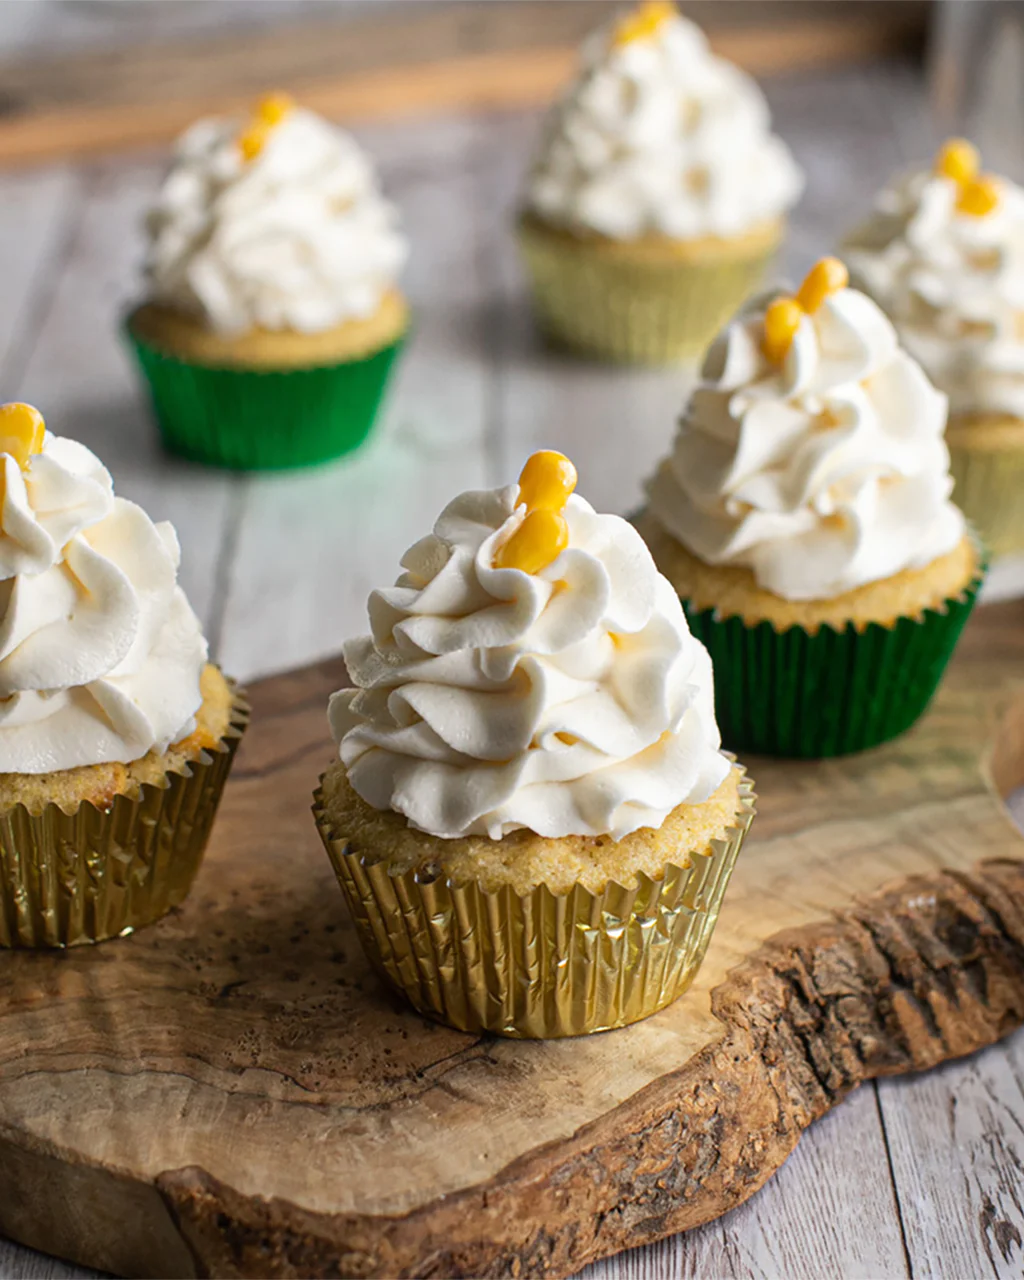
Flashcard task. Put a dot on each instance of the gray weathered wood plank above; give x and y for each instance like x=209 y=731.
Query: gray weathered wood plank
x=78 y=374
x=315 y=544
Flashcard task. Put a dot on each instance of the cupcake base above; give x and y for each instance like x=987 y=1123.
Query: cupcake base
x=265 y=401
x=534 y=964
x=827 y=685
x=653 y=301
x=986 y=459
x=79 y=870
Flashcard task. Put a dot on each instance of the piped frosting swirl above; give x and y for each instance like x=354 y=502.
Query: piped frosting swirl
x=659 y=136
x=100 y=654
x=821 y=467
x=275 y=223
x=943 y=254
x=572 y=700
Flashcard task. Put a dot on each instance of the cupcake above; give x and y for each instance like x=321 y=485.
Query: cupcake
x=804 y=517
x=272 y=318
x=530 y=815
x=658 y=196
x=943 y=255
x=116 y=734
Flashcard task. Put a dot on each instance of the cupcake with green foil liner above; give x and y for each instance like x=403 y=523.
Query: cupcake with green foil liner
x=272 y=318
x=804 y=518
x=658 y=197
x=530 y=815
x=116 y=734
x=943 y=254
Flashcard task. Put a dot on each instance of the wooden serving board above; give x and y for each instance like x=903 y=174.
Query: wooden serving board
x=233 y=1092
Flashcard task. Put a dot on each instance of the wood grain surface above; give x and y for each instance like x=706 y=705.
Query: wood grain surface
x=911 y=1176
x=406 y=58
x=233 y=1092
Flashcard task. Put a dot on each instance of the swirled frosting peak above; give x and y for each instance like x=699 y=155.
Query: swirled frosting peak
x=275 y=223
x=658 y=136
x=100 y=654
x=943 y=254
x=569 y=700
x=821 y=466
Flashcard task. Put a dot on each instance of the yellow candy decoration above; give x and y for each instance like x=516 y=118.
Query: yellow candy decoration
x=547 y=480
x=826 y=277
x=21 y=432
x=978 y=197
x=645 y=21
x=958 y=159
x=274 y=107
x=978 y=192
x=781 y=321
x=545 y=484
x=269 y=113
x=783 y=316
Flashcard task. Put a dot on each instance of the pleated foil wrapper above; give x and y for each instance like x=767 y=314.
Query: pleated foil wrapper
x=989 y=490
x=634 y=311
x=73 y=878
x=539 y=965
x=811 y=695
x=259 y=419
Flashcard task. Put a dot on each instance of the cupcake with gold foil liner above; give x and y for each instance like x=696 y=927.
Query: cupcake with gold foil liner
x=540 y=964
x=658 y=197
x=116 y=734
x=986 y=454
x=531 y=818
x=653 y=301
x=102 y=870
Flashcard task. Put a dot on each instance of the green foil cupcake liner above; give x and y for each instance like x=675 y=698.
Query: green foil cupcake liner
x=630 y=310
x=830 y=693
x=257 y=420
x=989 y=490
x=538 y=965
x=91 y=874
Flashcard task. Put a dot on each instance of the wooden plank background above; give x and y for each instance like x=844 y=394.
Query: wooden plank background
x=916 y=1177
x=360 y=62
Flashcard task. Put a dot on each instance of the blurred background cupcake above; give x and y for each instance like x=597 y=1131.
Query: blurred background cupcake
x=943 y=254
x=272 y=318
x=804 y=517
x=116 y=734
x=530 y=815
x=658 y=196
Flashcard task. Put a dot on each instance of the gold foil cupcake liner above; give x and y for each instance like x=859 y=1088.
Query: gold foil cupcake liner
x=538 y=965
x=647 y=310
x=91 y=874
x=989 y=490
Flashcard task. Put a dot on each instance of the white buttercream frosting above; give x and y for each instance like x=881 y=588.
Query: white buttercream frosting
x=821 y=473
x=573 y=701
x=297 y=237
x=660 y=136
x=100 y=654
x=953 y=284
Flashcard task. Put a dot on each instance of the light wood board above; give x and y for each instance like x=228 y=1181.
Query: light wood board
x=233 y=1092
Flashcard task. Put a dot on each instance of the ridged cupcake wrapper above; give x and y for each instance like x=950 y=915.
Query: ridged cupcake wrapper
x=538 y=965
x=256 y=420
x=651 y=313
x=830 y=693
x=989 y=490
x=72 y=878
